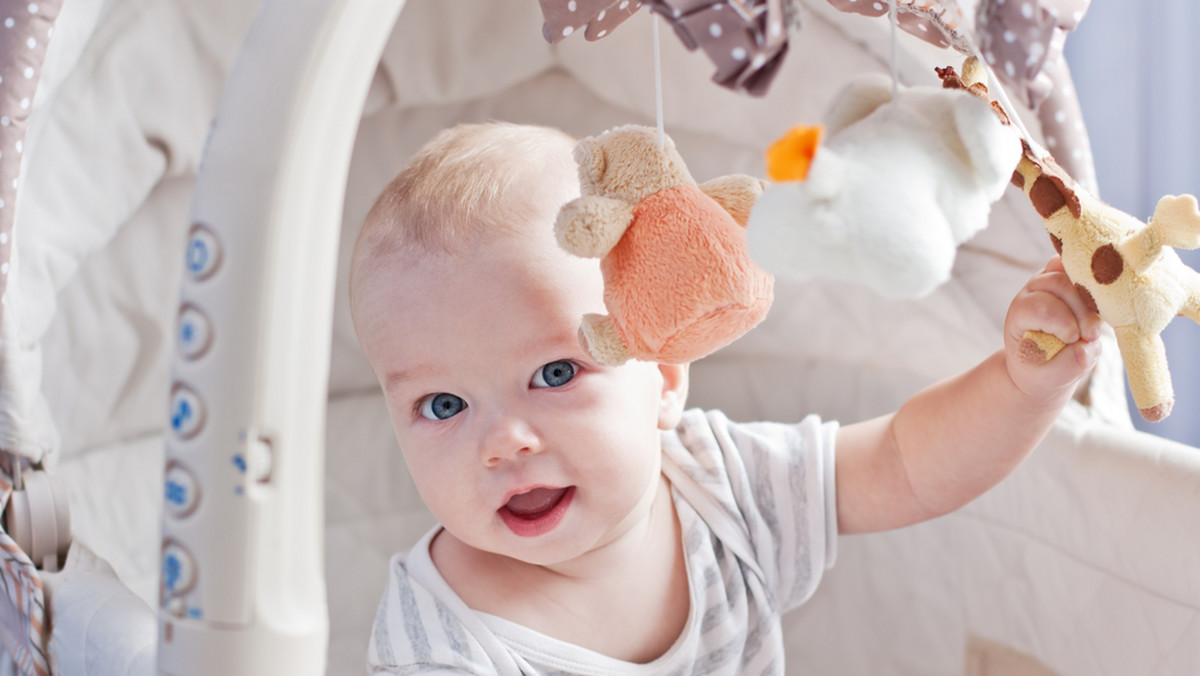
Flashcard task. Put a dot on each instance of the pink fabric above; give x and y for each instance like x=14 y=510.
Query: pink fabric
x=25 y=29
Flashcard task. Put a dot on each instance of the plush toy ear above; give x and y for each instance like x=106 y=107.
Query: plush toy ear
x=858 y=100
x=589 y=155
x=993 y=148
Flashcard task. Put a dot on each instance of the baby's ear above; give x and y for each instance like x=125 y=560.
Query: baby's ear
x=673 y=398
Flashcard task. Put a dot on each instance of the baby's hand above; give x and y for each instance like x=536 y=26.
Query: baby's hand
x=1048 y=307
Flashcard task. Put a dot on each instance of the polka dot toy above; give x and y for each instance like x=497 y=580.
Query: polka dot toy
x=937 y=23
x=24 y=34
x=745 y=39
x=597 y=17
x=1021 y=41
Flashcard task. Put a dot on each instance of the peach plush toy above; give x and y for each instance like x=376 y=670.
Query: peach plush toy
x=678 y=282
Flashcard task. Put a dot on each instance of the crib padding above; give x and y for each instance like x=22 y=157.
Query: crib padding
x=1085 y=558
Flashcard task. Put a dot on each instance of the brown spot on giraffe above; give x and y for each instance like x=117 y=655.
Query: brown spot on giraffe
x=1063 y=182
x=1088 y=300
x=1057 y=242
x=1046 y=195
x=1107 y=264
x=1018 y=179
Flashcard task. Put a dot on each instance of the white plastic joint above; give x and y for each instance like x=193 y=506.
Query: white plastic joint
x=38 y=518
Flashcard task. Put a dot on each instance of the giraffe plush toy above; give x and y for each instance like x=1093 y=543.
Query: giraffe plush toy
x=1127 y=269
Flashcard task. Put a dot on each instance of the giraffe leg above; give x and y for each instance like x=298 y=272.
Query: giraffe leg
x=602 y=339
x=1149 y=378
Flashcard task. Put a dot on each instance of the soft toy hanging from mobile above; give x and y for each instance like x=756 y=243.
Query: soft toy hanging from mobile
x=678 y=282
x=1127 y=268
x=888 y=193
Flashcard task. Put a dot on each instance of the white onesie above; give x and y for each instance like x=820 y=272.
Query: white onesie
x=757 y=509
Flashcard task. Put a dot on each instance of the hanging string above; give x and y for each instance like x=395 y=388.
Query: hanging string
x=895 y=20
x=658 y=89
x=1001 y=97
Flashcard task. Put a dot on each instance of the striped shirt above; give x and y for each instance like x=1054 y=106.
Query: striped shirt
x=756 y=506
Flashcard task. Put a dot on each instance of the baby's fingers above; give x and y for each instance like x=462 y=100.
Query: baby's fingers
x=1052 y=304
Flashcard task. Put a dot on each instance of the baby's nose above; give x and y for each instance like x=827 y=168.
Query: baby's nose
x=506 y=438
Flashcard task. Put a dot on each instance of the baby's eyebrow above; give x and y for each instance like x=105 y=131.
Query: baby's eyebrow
x=396 y=377
x=556 y=341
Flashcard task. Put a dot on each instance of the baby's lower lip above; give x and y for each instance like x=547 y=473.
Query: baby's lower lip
x=542 y=523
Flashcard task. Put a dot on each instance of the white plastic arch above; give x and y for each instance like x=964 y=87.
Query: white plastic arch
x=243 y=588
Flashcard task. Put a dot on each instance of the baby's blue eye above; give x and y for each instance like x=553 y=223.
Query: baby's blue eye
x=441 y=406
x=554 y=374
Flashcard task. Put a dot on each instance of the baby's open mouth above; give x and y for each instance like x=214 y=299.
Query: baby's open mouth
x=536 y=512
x=536 y=503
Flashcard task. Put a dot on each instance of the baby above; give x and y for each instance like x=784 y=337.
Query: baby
x=588 y=522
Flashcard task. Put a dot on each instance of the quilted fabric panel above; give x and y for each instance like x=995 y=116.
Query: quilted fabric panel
x=1082 y=559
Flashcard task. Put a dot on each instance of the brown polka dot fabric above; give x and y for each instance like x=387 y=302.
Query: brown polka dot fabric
x=934 y=22
x=25 y=30
x=597 y=17
x=1063 y=129
x=1022 y=41
x=745 y=39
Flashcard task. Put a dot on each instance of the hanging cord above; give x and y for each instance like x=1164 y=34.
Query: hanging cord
x=658 y=89
x=996 y=89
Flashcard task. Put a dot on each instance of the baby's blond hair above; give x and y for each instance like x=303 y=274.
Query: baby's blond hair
x=468 y=181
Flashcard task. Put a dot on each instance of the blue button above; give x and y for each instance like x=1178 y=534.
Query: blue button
x=195 y=332
x=203 y=255
x=181 y=490
x=187 y=411
x=178 y=570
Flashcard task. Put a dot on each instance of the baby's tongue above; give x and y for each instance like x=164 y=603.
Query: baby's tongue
x=536 y=503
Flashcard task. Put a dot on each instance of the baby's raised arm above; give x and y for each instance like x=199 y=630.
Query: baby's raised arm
x=952 y=441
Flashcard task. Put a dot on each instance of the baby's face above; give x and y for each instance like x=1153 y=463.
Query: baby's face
x=518 y=441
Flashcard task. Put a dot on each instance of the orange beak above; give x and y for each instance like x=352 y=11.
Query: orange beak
x=789 y=158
